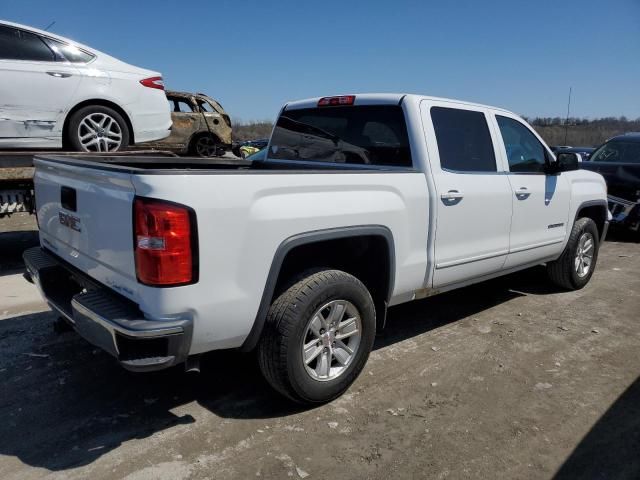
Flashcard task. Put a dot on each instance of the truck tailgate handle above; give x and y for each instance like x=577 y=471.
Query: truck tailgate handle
x=68 y=198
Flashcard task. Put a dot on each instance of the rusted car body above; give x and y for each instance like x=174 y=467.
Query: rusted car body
x=200 y=126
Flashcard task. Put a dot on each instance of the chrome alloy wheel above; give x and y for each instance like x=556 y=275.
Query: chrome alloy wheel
x=331 y=340
x=584 y=254
x=99 y=132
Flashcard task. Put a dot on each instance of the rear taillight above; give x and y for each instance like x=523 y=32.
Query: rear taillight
x=164 y=243
x=153 y=82
x=335 y=101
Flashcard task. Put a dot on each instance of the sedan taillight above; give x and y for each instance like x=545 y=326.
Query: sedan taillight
x=164 y=243
x=153 y=82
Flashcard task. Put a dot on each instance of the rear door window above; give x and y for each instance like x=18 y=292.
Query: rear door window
x=365 y=135
x=16 y=44
x=204 y=106
x=65 y=52
x=464 y=141
x=180 y=106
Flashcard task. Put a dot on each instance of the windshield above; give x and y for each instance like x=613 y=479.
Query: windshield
x=619 y=152
x=366 y=135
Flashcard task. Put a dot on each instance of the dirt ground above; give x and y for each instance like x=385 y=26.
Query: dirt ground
x=506 y=379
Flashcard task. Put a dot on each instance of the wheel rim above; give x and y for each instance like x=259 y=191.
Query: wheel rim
x=99 y=132
x=584 y=254
x=331 y=340
x=206 y=147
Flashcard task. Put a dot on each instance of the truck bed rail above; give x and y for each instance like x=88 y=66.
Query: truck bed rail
x=16 y=174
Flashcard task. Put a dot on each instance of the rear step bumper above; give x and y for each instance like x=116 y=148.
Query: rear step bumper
x=106 y=319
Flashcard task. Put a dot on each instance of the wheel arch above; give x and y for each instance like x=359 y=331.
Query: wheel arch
x=596 y=210
x=377 y=237
x=100 y=102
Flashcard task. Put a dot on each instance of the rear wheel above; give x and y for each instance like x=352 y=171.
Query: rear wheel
x=317 y=337
x=97 y=128
x=575 y=266
x=206 y=146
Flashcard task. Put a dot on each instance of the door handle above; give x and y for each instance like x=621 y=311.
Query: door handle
x=452 y=196
x=59 y=74
x=522 y=193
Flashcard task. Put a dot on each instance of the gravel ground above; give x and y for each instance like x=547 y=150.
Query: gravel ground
x=506 y=379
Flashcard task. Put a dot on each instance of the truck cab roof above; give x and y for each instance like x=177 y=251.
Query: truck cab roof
x=385 y=99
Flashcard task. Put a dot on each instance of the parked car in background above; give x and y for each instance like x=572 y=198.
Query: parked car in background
x=201 y=127
x=618 y=161
x=555 y=148
x=584 y=152
x=55 y=92
x=249 y=147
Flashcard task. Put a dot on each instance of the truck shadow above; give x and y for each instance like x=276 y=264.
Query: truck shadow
x=12 y=244
x=65 y=404
x=620 y=234
x=611 y=448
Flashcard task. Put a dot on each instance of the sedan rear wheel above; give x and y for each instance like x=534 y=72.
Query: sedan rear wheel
x=97 y=129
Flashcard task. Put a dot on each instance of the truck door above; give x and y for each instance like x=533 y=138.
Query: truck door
x=540 y=200
x=473 y=195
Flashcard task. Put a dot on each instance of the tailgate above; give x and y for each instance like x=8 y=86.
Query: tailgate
x=85 y=218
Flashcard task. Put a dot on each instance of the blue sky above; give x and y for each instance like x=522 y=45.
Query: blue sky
x=255 y=55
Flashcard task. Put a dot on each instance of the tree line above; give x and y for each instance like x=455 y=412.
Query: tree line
x=251 y=130
x=583 y=132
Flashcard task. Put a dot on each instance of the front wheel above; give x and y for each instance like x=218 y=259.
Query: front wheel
x=317 y=337
x=575 y=266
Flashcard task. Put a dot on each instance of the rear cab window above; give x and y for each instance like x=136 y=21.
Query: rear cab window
x=345 y=134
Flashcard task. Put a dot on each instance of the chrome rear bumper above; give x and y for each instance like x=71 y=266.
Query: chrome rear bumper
x=105 y=318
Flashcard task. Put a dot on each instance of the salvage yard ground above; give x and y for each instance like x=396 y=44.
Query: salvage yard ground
x=506 y=379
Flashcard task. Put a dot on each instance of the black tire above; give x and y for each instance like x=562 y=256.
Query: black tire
x=280 y=348
x=563 y=271
x=74 y=132
x=206 y=145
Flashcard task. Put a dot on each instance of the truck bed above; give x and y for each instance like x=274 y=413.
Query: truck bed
x=149 y=164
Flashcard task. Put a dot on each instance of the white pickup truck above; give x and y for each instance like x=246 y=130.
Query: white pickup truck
x=360 y=202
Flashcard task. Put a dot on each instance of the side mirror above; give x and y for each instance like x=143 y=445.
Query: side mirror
x=566 y=162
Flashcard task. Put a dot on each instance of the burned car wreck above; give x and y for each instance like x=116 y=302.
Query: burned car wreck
x=200 y=127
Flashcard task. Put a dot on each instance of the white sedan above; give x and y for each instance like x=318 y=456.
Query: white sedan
x=58 y=93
